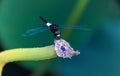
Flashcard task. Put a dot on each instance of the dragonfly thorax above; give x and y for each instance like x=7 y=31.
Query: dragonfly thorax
x=55 y=30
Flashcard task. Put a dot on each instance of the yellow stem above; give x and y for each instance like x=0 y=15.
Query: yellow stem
x=1 y=67
x=22 y=54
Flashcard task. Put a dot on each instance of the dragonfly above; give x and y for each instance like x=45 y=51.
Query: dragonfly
x=54 y=28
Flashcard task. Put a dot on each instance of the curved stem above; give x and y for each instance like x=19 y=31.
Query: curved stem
x=1 y=67
x=25 y=54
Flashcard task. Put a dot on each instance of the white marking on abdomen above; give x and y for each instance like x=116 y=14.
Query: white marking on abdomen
x=48 y=24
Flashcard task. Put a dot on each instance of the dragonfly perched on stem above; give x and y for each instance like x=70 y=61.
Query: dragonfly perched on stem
x=62 y=47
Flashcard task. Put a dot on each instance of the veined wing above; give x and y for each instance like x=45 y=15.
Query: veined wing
x=74 y=27
x=35 y=31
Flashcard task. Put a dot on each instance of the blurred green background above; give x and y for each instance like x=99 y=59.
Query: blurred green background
x=100 y=47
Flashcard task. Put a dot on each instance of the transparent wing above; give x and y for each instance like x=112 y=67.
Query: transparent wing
x=35 y=31
x=74 y=27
